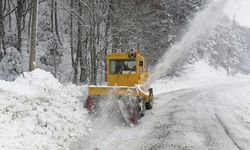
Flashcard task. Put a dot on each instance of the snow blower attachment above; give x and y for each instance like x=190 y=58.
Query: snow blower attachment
x=125 y=75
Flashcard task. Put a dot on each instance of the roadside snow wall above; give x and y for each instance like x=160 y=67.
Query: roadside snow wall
x=39 y=113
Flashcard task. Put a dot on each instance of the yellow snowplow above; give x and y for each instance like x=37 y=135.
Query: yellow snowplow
x=125 y=76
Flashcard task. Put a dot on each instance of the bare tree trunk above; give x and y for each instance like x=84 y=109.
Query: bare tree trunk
x=107 y=26
x=93 y=55
x=33 y=36
x=83 y=74
x=107 y=34
x=79 y=44
x=52 y=16
x=9 y=15
x=76 y=67
x=93 y=41
x=24 y=14
x=115 y=35
x=4 y=5
x=228 y=63
x=55 y=65
x=72 y=34
x=19 y=12
x=85 y=55
x=98 y=46
x=56 y=25
x=1 y=25
x=29 y=24
x=94 y=65
x=3 y=32
x=82 y=67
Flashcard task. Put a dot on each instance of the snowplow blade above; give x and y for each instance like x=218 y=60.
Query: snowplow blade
x=118 y=91
x=135 y=107
x=111 y=90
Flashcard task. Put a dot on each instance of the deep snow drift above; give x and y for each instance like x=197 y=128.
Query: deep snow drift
x=37 y=112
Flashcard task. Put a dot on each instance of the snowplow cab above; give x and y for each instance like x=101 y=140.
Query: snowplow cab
x=125 y=69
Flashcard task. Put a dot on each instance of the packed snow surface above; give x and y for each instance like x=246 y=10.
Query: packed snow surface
x=37 y=112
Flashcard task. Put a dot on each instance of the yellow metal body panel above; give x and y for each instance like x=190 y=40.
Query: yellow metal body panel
x=139 y=77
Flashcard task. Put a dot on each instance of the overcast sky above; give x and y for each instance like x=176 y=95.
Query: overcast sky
x=241 y=10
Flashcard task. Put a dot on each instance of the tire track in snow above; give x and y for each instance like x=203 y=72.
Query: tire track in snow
x=163 y=132
x=227 y=132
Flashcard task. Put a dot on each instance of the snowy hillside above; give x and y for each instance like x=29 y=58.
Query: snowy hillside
x=37 y=112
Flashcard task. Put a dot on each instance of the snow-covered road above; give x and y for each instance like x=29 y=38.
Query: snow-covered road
x=211 y=117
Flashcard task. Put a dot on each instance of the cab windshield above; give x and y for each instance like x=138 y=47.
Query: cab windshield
x=127 y=66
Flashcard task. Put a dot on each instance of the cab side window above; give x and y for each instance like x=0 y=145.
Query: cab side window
x=141 y=64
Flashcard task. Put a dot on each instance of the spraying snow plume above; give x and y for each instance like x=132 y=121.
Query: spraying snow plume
x=202 y=24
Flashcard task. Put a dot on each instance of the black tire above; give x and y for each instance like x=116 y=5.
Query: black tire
x=149 y=105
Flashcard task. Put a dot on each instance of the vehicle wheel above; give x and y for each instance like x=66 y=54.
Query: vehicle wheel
x=133 y=115
x=91 y=104
x=149 y=105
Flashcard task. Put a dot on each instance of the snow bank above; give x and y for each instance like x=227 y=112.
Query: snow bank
x=197 y=74
x=30 y=84
x=37 y=112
